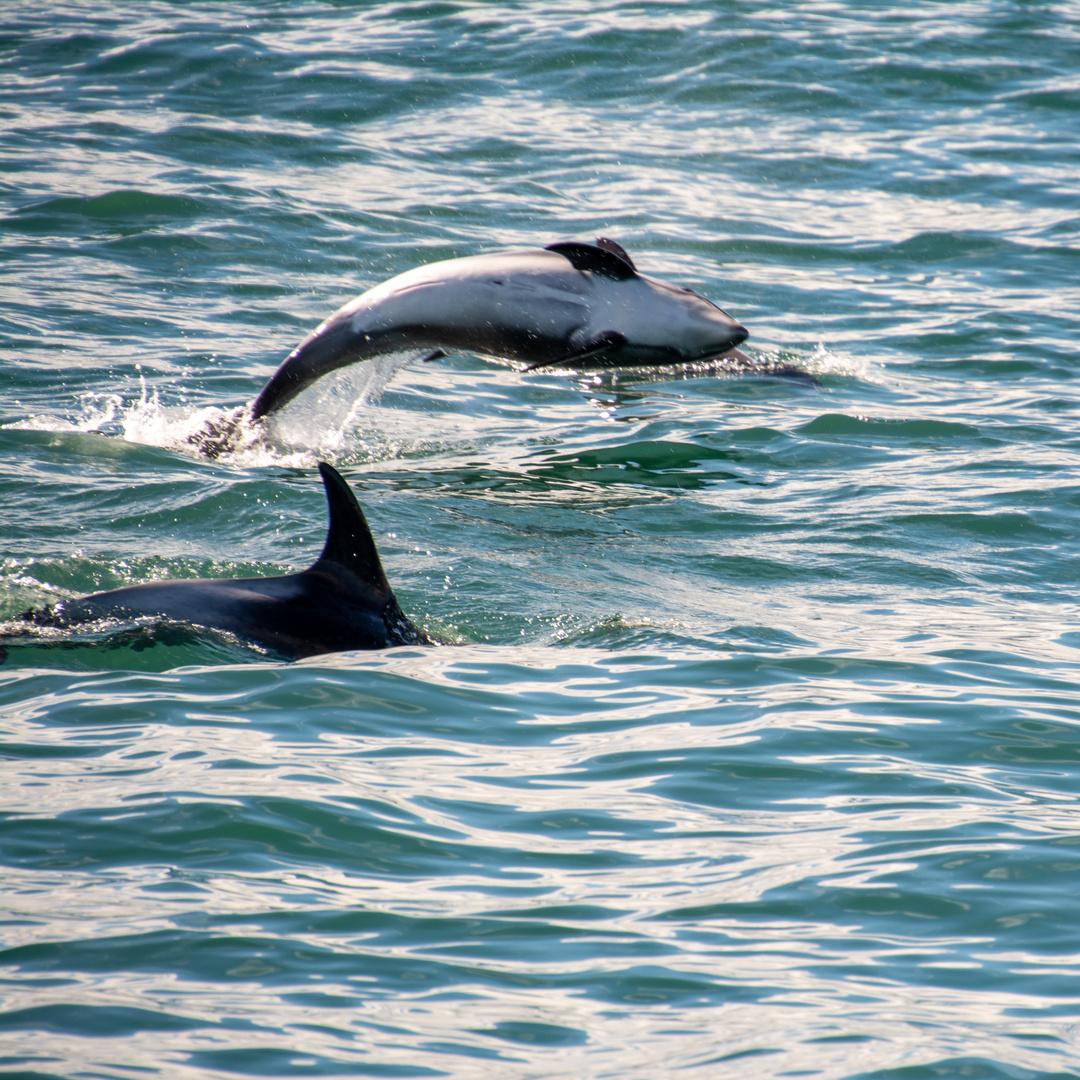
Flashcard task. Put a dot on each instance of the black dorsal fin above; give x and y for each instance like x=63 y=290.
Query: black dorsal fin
x=349 y=542
x=615 y=249
x=596 y=260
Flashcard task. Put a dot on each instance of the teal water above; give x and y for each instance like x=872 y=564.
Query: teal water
x=757 y=749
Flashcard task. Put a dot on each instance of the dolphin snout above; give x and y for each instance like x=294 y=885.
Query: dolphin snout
x=734 y=334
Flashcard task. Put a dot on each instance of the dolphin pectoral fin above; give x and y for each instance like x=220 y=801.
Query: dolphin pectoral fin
x=597 y=259
x=598 y=345
x=438 y=354
x=795 y=374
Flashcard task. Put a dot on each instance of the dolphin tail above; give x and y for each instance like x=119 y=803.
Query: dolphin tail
x=335 y=344
x=332 y=345
x=351 y=547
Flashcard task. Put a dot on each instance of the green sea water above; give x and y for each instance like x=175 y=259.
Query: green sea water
x=754 y=749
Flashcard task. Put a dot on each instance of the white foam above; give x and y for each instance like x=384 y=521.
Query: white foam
x=827 y=361
x=99 y=413
x=323 y=422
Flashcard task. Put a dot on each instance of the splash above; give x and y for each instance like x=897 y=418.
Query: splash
x=791 y=364
x=828 y=361
x=322 y=423
x=331 y=410
x=184 y=429
x=99 y=413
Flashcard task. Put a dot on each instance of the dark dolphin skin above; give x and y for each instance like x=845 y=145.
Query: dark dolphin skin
x=566 y=304
x=341 y=602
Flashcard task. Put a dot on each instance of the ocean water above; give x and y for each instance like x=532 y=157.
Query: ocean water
x=753 y=749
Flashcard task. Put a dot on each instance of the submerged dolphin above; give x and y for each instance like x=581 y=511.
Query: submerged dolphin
x=567 y=303
x=341 y=602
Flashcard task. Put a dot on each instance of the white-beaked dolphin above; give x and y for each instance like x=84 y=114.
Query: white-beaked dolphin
x=343 y=601
x=566 y=304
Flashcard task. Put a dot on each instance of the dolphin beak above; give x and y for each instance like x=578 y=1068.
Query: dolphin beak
x=736 y=335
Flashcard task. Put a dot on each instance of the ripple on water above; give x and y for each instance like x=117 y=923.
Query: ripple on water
x=755 y=753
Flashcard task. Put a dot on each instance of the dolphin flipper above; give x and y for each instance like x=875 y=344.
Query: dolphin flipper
x=607 y=342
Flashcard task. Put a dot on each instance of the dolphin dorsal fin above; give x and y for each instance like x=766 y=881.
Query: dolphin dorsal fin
x=349 y=542
x=600 y=258
x=615 y=249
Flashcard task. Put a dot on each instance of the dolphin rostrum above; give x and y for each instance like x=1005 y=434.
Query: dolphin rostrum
x=565 y=304
x=343 y=601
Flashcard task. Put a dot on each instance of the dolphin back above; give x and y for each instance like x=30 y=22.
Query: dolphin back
x=343 y=601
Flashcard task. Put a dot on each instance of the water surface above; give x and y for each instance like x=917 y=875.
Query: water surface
x=757 y=749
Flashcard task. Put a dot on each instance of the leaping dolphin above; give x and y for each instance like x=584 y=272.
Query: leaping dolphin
x=343 y=601
x=568 y=303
